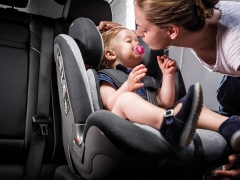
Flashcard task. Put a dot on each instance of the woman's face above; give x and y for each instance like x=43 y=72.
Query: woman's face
x=157 y=38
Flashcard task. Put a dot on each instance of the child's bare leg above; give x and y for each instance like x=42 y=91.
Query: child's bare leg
x=228 y=127
x=133 y=107
x=176 y=123
x=210 y=120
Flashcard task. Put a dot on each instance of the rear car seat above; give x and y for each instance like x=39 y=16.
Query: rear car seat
x=96 y=10
x=20 y=48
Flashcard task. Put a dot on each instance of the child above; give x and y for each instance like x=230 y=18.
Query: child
x=177 y=123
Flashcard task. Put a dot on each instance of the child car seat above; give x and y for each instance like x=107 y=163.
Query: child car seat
x=100 y=145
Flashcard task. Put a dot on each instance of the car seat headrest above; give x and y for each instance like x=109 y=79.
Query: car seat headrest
x=95 y=10
x=15 y=3
x=88 y=39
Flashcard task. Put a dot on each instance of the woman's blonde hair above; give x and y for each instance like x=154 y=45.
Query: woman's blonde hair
x=107 y=36
x=190 y=14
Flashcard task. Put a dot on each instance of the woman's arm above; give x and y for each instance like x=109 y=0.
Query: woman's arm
x=166 y=94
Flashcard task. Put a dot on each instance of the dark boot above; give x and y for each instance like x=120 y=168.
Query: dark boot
x=230 y=130
x=180 y=129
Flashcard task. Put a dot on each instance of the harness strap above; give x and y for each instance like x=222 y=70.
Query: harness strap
x=119 y=77
x=151 y=97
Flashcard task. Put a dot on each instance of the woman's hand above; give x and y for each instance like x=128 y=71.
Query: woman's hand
x=166 y=64
x=133 y=82
x=106 y=25
x=231 y=170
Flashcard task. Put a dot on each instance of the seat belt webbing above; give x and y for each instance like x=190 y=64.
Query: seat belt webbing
x=151 y=96
x=34 y=161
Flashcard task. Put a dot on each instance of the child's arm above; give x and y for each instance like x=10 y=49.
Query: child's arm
x=166 y=94
x=109 y=94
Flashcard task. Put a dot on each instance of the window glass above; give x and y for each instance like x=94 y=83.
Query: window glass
x=123 y=13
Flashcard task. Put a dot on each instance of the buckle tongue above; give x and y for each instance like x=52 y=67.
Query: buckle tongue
x=43 y=123
x=168 y=112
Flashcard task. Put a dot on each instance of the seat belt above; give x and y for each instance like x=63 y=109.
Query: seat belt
x=42 y=119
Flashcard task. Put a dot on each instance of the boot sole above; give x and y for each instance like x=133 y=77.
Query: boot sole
x=235 y=141
x=191 y=123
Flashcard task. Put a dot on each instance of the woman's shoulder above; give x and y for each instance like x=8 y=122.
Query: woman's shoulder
x=230 y=13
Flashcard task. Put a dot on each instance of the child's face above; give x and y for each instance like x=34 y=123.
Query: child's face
x=123 y=46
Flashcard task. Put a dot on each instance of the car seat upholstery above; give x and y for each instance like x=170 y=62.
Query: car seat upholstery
x=96 y=10
x=100 y=145
x=20 y=48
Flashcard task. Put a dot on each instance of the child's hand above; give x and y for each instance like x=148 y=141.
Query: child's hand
x=133 y=82
x=166 y=64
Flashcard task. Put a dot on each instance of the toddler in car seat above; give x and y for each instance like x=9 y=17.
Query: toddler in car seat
x=176 y=122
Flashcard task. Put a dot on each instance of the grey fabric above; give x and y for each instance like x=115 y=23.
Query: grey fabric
x=129 y=138
x=89 y=40
x=94 y=92
x=77 y=54
x=213 y=144
x=95 y=10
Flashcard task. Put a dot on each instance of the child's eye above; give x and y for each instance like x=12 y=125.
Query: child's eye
x=129 y=41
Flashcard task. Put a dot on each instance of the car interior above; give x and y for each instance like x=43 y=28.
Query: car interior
x=52 y=121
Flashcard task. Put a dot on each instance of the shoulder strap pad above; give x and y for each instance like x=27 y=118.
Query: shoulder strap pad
x=116 y=75
x=151 y=83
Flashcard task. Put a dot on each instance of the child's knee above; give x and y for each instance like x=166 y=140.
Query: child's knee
x=127 y=97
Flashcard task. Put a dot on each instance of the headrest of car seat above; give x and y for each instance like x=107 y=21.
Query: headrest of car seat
x=89 y=40
x=96 y=10
x=15 y=3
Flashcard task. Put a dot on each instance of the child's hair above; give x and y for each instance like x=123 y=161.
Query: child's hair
x=107 y=37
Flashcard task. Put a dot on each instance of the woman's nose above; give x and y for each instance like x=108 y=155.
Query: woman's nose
x=139 y=32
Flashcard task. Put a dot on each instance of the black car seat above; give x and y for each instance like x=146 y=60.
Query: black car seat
x=100 y=145
x=20 y=49
x=96 y=10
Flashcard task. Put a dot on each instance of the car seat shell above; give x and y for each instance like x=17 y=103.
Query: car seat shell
x=119 y=141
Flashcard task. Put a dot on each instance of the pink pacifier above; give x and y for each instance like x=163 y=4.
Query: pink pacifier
x=139 y=50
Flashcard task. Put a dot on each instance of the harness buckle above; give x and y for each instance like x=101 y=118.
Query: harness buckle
x=168 y=112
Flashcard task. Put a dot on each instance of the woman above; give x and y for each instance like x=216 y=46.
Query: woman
x=211 y=29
